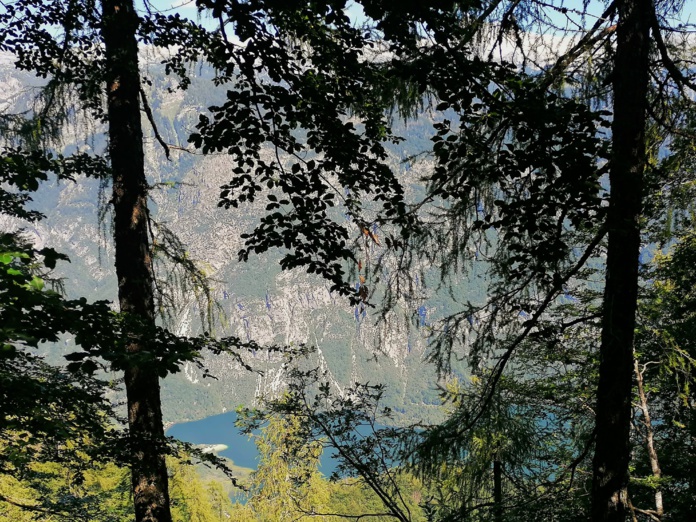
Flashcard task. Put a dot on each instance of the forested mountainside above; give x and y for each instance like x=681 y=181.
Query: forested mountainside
x=497 y=241
x=254 y=300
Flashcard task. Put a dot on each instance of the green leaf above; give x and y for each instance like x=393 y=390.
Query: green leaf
x=7 y=257
x=36 y=283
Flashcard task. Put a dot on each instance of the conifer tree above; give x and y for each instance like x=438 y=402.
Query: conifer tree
x=88 y=52
x=133 y=256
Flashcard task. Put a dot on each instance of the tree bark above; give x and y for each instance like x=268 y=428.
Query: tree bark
x=650 y=440
x=497 y=490
x=133 y=261
x=613 y=411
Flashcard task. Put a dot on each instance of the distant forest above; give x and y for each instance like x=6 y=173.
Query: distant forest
x=551 y=158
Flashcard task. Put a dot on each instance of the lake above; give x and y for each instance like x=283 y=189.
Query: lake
x=220 y=429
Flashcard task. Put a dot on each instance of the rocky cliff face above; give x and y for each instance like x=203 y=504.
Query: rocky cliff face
x=253 y=300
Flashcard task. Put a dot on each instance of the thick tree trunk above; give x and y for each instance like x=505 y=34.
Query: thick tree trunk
x=613 y=412
x=133 y=263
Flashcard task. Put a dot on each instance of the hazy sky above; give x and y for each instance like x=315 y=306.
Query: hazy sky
x=188 y=8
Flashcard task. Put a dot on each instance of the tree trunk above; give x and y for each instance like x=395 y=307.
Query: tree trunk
x=650 y=440
x=133 y=262
x=497 y=490
x=613 y=412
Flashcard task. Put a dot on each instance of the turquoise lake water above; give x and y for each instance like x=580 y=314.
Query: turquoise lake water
x=220 y=429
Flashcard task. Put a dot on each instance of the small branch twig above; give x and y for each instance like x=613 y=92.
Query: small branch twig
x=151 y=119
x=499 y=368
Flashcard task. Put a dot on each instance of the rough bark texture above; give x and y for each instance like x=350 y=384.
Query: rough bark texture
x=613 y=412
x=133 y=263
